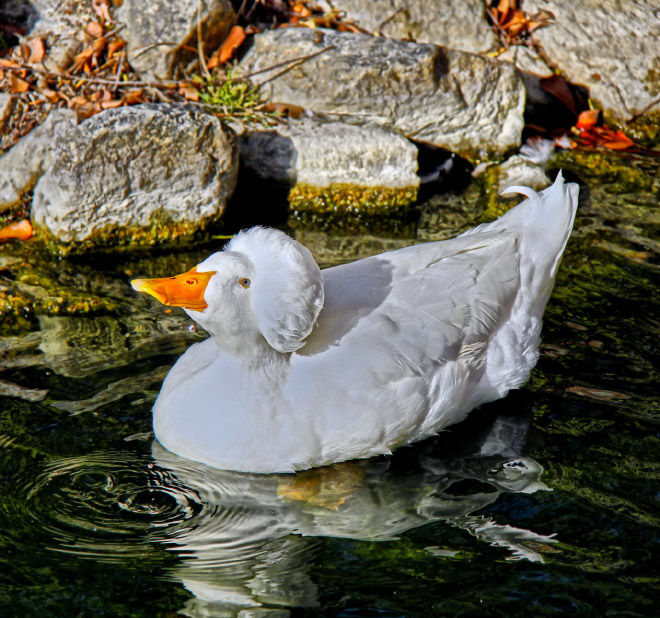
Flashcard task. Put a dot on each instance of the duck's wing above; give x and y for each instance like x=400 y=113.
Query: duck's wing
x=426 y=303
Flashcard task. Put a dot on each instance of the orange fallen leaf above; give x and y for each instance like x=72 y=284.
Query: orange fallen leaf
x=587 y=119
x=188 y=91
x=132 y=97
x=93 y=28
x=51 y=95
x=227 y=49
x=36 y=49
x=286 y=109
x=115 y=46
x=17 y=84
x=22 y=230
x=10 y=64
x=112 y=103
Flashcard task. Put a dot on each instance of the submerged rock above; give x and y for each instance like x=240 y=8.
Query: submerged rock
x=459 y=24
x=451 y=99
x=335 y=167
x=156 y=31
x=609 y=46
x=139 y=175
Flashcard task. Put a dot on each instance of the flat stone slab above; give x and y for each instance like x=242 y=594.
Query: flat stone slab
x=611 y=46
x=330 y=165
x=135 y=175
x=459 y=24
x=455 y=100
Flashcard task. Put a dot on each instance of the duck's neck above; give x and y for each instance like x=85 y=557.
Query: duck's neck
x=257 y=358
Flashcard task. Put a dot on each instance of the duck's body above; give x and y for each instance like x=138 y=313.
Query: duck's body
x=307 y=368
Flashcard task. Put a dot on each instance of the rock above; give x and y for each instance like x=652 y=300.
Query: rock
x=61 y=25
x=609 y=46
x=459 y=24
x=173 y=24
x=459 y=101
x=335 y=166
x=526 y=60
x=22 y=166
x=519 y=170
x=6 y=106
x=144 y=174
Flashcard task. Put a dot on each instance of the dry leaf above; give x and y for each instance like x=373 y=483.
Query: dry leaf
x=19 y=229
x=188 y=91
x=596 y=393
x=587 y=119
x=102 y=9
x=93 y=28
x=36 y=49
x=111 y=103
x=133 y=97
x=10 y=64
x=51 y=95
x=115 y=46
x=286 y=109
x=228 y=47
x=17 y=84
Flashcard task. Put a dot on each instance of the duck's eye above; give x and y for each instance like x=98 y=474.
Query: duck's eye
x=244 y=282
x=191 y=282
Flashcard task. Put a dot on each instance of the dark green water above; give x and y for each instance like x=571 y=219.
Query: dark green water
x=546 y=503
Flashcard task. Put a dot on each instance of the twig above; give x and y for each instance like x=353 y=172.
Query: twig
x=92 y=80
x=293 y=62
x=387 y=20
x=120 y=66
x=648 y=108
x=200 y=50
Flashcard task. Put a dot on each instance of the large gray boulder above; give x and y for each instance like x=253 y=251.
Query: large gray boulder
x=610 y=46
x=459 y=24
x=452 y=99
x=156 y=31
x=330 y=164
x=139 y=175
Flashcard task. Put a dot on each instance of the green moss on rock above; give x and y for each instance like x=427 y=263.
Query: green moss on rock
x=344 y=207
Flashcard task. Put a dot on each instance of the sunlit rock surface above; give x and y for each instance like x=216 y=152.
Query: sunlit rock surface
x=139 y=175
x=335 y=166
x=156 y=31
x=459 y=24
x=610 y=46
x=452 y=99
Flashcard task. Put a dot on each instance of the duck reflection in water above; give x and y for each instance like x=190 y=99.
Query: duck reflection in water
x=252 y=543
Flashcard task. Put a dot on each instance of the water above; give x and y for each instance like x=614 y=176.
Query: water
x=546 y=503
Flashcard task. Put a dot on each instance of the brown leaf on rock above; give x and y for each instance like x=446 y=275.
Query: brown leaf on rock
x=36 y=50
x=111 y=103
x=94 y=29
x=17 y=84
x=286 y=109
x=559 y=88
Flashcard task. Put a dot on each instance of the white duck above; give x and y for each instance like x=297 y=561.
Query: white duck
x=307 y=367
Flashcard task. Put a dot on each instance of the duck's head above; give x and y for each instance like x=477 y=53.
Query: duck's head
x=263 y=286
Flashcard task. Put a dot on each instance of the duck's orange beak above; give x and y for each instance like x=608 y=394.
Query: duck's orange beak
x=186 y=290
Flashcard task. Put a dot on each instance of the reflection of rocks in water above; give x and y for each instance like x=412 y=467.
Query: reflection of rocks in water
x=77 y=347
